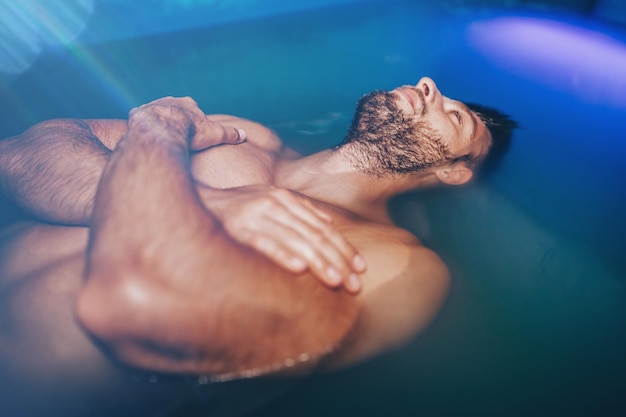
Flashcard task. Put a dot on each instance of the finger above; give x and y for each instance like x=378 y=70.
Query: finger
x=285 y=258
x=318 y=212
x=278 y=253
x=325 y=271
x=350 y=259
x=280 y=242
x=270 y=240
x=321 y=255
x=302 y=209
x=275 y=236
x=332 y=248
x=308 y=213
x=224 y=134
x=297 y=256
x=316 y=263
x=209 y=133
x=337 y=262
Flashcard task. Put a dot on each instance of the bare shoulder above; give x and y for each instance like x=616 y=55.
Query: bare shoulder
x=258 y=134
x=394 y=255
x=404 y=288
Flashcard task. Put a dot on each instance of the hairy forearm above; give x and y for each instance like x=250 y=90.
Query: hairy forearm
x=52 y=170
x=168 y=290
x=144 y=197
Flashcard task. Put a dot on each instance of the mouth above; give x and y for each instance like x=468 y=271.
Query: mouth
x=410 y=96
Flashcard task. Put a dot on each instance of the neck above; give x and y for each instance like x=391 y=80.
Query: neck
x=329 y=176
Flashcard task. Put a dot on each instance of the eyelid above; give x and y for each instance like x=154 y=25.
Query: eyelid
x=457 y=114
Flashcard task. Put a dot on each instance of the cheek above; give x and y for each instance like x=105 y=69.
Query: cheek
x=441 y=127
x=448 y=133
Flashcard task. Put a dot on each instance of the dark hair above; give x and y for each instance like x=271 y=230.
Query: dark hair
x=501 y=127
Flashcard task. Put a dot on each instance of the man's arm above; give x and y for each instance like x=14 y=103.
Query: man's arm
x=168 y=290
x=52 y=170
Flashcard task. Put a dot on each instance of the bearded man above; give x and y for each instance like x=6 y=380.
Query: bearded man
x=178 y=244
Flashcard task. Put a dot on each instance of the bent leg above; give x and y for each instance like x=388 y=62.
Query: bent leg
x=48 y=366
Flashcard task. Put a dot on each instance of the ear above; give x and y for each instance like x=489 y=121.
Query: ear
x=456 y=174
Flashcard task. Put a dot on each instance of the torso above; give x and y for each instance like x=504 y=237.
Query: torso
x=41 y=268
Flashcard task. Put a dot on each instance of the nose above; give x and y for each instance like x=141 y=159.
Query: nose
x=429 y=88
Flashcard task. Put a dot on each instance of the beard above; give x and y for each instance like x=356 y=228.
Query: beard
x=384 y=140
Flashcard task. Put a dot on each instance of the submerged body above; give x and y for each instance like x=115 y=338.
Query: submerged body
x=52 y=367
x=42 y=276
x=194 y=255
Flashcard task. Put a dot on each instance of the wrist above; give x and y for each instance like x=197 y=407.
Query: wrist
x=167 y=121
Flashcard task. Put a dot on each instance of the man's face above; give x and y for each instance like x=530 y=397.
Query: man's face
x=415 y=127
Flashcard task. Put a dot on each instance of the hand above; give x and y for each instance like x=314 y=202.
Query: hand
x=288 y=229
x=183 y=116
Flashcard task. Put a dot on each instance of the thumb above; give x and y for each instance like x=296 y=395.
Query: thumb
x=212 y=134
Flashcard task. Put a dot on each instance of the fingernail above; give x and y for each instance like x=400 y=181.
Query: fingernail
x=334 y=277
x=358 y=263
x=354 y=282
x=296 y=264
x=242 y=134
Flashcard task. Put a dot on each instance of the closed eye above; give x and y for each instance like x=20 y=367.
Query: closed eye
x=459 y=119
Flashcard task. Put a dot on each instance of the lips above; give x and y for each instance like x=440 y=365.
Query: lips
x=410 y=96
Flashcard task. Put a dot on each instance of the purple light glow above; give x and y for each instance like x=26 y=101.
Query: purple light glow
x=587 y=63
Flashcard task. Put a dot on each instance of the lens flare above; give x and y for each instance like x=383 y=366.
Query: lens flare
x=27 y=27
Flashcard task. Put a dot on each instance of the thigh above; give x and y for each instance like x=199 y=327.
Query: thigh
x=48 y=365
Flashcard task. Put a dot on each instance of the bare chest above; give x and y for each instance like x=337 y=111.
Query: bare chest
x=231 y=166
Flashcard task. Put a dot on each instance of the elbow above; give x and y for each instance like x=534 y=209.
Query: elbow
x=91 y=309
x=135 y=323
x=239 y=326
x=110 y=311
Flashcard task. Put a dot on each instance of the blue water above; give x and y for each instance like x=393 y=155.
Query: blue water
x=536 y=322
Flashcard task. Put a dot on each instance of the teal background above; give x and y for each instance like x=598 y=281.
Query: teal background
x=536 y=321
